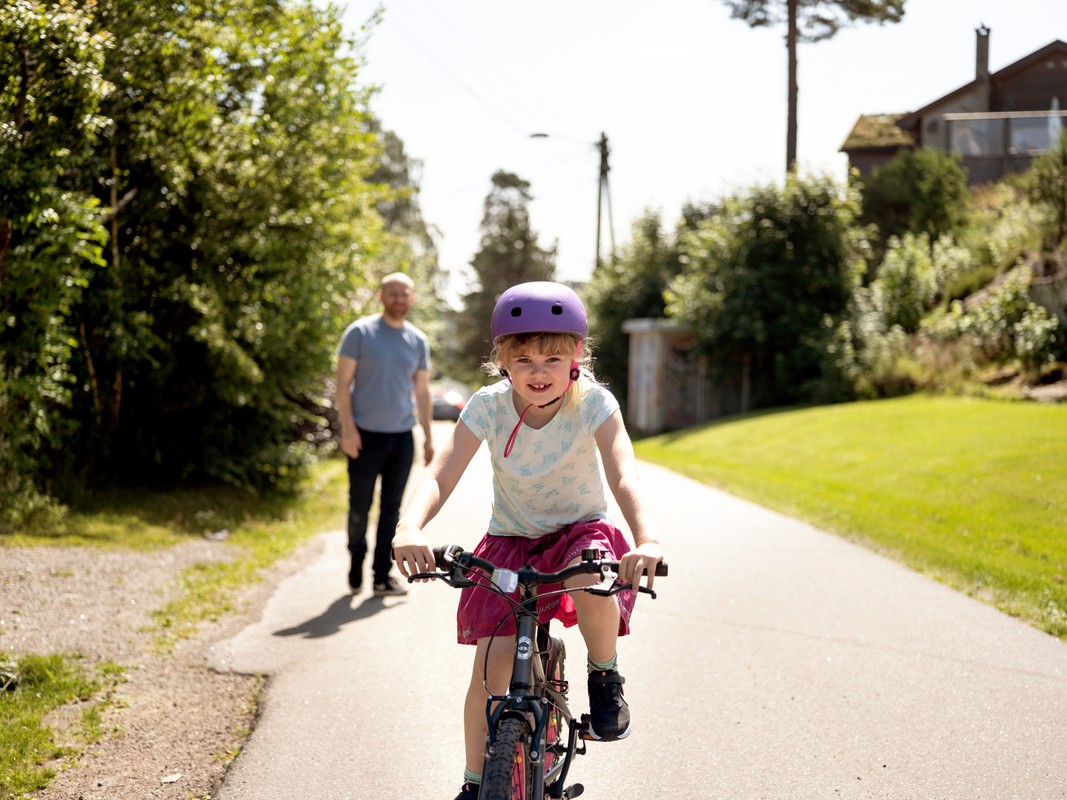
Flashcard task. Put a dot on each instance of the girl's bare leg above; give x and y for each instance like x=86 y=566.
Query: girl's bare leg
x=474 y=724
x=598 y=621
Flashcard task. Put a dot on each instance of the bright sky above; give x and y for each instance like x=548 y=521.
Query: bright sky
x=693 y=102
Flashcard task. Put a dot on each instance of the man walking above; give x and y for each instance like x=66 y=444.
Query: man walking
x=383 y=383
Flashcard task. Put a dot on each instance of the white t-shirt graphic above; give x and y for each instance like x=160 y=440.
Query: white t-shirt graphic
x=552 y=478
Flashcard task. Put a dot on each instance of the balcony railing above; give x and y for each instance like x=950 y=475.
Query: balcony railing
x=993 y=144
x=1006 y=133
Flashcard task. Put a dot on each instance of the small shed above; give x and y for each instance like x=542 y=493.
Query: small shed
x=669 y=387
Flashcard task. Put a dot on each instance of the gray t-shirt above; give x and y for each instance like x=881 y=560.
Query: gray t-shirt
x=388 y=358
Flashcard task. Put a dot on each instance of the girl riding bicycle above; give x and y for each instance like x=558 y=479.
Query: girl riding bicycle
x=544 y=423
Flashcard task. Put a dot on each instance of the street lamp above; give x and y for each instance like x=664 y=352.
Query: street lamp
x=603 y=188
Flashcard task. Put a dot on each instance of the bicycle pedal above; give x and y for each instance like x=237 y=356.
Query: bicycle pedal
x=573 y=791
x=584 y=728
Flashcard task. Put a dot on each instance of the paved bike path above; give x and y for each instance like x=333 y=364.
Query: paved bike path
x=778 y=662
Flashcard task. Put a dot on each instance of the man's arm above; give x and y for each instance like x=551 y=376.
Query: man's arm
x=424 y=406
x=351 y=442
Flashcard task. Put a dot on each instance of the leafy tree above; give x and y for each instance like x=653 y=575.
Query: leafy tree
x=408 y=242
x=231 y=182
x=1048 y=186
x=767 y=280
x=631 y=286
x=918 y=191
x=508 y=254
x=50 y=234
x=810 y=21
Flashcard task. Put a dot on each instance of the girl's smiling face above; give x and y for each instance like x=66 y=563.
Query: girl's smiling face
x=538 y=377
x=539 y=368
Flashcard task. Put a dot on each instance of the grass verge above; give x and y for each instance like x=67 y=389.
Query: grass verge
x=970 y=492
x=32 y=689
x=257 y=530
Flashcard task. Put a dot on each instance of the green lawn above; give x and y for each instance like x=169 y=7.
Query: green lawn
x=971 y=492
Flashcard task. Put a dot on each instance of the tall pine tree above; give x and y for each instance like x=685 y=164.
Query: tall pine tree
x=809 y=21
x=509 y=254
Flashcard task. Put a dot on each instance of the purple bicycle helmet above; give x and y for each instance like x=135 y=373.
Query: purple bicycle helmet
x=536 y=307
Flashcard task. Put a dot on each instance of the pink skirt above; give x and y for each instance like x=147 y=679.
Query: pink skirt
x=481 y=610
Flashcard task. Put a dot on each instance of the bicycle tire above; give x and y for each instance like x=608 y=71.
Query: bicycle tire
x=508 y=774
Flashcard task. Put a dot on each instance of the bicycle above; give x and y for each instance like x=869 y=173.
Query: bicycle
x=533 y=736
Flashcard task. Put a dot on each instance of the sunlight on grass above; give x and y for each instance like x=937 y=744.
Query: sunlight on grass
x=34 y=687
x=210 y=589
x=971 y=492
x=258 y=531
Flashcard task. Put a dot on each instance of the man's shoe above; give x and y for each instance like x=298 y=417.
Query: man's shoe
x=609 y=714
x=388 y=587
x=469 y=791
x=355 y=588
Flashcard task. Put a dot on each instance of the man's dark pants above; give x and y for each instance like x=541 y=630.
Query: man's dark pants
x=391 y=456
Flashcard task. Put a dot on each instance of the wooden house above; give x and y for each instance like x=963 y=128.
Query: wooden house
x=997 y=123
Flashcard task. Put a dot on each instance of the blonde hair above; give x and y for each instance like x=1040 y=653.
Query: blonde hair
x=547 y=343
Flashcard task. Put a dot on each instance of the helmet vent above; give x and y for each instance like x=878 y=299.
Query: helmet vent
x=516 y=312
x=557 y=310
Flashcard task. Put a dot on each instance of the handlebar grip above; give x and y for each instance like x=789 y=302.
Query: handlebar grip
x=439 y=556
x=661 y=569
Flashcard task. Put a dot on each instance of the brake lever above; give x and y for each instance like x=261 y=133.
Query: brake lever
x=617 y=587
x=455 y=579
x=418 y=576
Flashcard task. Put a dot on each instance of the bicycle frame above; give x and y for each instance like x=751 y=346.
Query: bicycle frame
x=531 y=697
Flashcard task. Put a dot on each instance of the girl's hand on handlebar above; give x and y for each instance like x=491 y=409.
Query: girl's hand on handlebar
x=411 y=551
x=640 y=561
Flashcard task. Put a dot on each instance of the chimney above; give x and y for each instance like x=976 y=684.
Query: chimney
x=981 y=58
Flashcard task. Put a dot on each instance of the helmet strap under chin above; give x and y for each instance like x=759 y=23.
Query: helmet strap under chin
x=574 y=375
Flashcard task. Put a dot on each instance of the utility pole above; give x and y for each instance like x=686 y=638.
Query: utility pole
x=604 y=189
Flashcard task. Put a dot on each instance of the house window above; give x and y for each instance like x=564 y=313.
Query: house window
x=1029 y=135
x=977 y=137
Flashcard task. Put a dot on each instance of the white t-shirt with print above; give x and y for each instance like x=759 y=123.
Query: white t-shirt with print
x=552 y=478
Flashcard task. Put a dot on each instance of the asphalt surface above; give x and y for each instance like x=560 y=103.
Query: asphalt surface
x=778 y=662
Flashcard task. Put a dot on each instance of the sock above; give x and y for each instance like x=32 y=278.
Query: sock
x=596 y=666
x=471 y=777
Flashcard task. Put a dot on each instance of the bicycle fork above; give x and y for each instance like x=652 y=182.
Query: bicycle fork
x=522 y=701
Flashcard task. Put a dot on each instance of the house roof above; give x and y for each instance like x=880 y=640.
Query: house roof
x=885 y=131
x=911 y=120
x=877 y=132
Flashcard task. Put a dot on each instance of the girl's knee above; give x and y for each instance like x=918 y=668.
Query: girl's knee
x=595 y=605
x=494 y=672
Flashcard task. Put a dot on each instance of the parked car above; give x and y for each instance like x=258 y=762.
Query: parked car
x=449 y=397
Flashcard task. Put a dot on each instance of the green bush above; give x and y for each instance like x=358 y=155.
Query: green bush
x=1003 y=326
x=918 y=191
x=1003 y=224
x=766 y=283
x=1048 y=187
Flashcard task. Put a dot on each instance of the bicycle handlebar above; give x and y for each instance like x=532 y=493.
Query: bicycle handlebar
x=455 y=563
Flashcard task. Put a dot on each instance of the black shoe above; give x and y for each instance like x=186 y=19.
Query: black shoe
x=469 y=791
x=355 y=588
x=388 y=587
x=608 y=711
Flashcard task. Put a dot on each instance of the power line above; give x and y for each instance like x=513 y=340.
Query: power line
x=427 y=44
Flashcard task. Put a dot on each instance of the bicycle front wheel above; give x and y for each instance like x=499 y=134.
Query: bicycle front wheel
x=508 y=773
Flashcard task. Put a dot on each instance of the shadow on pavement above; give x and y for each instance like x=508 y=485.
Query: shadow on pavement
x=339 y=613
